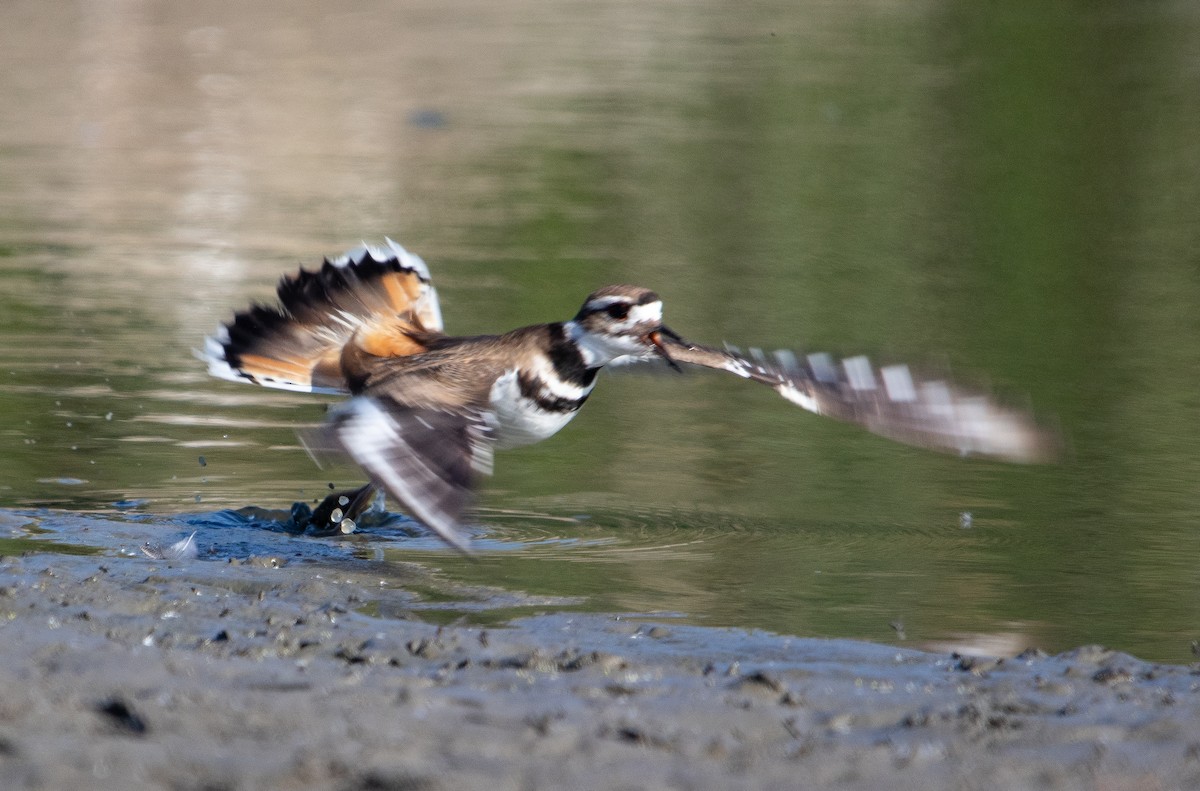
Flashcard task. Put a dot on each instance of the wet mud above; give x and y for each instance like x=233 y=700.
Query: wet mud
x=313 y=668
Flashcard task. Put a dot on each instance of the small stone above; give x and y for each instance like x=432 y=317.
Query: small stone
x=343 y=501
x=1112 y=675
x=336 y=516
x=763 y=679
x=122 y=716
x=347 y=526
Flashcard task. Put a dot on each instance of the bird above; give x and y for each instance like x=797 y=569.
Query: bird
x=427 y=409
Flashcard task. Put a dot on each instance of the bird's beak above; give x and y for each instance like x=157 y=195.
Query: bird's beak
x=656 y=340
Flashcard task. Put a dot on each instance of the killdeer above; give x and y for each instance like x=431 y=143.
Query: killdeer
x=427 y=409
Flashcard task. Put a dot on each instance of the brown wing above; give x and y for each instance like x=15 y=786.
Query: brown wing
x=427 y=459
x=890 y=401
x=381 y=298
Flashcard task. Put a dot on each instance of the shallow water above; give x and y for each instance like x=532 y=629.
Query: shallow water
x=1007 y=192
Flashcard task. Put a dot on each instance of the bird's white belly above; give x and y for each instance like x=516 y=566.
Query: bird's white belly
x=519 y=420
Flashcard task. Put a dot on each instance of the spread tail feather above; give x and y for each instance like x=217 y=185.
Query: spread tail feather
x=379 y=297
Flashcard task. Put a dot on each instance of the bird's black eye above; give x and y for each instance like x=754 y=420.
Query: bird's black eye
x=617 y=310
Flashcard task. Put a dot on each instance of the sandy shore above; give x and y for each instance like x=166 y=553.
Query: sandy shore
x=121 y=671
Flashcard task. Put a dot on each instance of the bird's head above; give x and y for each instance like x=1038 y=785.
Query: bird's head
x=620 y=321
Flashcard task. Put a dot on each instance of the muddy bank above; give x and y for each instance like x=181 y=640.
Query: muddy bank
x=289 y=671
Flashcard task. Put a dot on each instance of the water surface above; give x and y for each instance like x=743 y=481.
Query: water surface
x=1008 y=192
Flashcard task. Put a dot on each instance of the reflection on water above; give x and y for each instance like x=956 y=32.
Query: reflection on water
x=1011 y=189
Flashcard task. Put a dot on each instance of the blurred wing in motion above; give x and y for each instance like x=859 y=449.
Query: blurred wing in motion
x=426 y=459
x=890 y=401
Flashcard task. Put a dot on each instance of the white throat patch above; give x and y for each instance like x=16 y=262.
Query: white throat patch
x=601 y=348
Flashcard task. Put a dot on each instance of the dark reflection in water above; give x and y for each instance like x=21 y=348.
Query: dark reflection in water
x=1009 y=191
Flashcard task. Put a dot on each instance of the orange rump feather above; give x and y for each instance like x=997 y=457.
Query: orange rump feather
x=379 y=298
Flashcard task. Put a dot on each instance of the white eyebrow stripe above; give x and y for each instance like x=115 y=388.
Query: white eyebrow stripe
x=648 y=310
x=651 y=311
x=859 y=373
x=597 y=303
